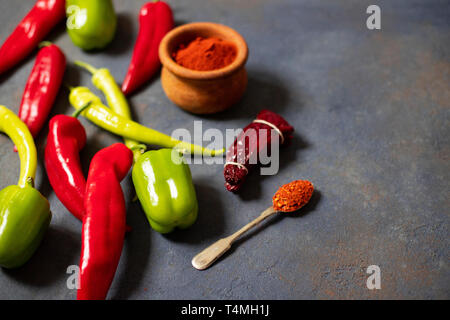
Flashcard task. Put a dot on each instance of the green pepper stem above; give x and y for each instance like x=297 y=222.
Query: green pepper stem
x=79 y=111
x=139 y=147
x=30 y=182
x=86 y=66
x=44 y=44
x=68 y=86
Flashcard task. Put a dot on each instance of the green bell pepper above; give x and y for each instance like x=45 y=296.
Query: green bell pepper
x=24 y=213
x=91 y=24
x=163 y=184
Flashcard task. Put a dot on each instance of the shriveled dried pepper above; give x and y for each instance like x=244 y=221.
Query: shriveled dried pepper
x=243 y=149
x=104 y=221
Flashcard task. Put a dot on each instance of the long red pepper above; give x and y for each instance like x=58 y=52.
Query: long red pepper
x=42 y=87
x=104 y=221
x=33 y=28
x=66 y=138
x=155 y=20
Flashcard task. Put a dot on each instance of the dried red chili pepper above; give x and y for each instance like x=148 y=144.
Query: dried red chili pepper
x=33 y=28
x=155 y=20
x=42 y=87
x=104 y=221
x=245 y=148
x=66 y=138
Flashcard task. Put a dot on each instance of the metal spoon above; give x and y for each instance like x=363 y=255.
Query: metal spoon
x=209 y=255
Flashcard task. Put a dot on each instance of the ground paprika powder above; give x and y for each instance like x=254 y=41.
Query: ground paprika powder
x=292 y=196
x=205 y=54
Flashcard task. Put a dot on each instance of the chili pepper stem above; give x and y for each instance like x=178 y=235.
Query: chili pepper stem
x=68 y=86
x=137 y=150
x=79 y=111
x=86 y=66
x=30 y=182
x=44 y=44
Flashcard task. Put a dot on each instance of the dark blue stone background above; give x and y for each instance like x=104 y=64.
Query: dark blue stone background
x=371 y=114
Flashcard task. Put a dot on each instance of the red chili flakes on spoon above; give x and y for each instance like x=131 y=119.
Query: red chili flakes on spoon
x=292 y=196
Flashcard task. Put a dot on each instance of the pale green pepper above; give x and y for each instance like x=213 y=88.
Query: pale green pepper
x=91 y=24
x=24 y=212
x=163 y=184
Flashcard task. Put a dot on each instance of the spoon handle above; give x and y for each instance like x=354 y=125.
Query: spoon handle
x=207 y=257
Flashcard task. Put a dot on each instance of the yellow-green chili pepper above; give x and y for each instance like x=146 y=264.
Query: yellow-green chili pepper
x=111 y=121
x=163 y=184
x=24 y=213
x=105 y=82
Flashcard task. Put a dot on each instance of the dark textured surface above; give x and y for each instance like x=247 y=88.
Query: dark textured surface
x=371 y=112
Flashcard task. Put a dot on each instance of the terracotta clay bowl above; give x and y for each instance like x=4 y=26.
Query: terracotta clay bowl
x=203 y=92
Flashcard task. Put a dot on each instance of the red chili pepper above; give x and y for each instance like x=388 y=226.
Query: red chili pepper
x=42 y=87
x=34 y=27
x=245 y=147
x=104 y=221
x=155 y=20
x=66 y=138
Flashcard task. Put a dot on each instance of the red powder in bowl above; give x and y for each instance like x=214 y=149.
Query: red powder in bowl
x=205 y=54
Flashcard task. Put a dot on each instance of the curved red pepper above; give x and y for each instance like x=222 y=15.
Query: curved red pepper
x=104 y=221
x=155 y=20
x=33 y=28
x=66 y=138
x=42 y=87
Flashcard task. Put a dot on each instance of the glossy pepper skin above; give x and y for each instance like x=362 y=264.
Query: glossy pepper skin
x=42 y=87
x=105 y=82
x=155 y=20
x=91 y=24
x=33 y=28
x=104 y=221
x=164 y=187
x=24 y=213
x=66 y=138
x=109 y=120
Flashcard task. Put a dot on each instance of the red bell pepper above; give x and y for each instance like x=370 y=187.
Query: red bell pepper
x=66 y=138
x=34 y=27
x=104 y=221
x=155 y=20
x=42 y=87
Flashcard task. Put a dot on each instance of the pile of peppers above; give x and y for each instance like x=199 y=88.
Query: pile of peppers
x=162 y=178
